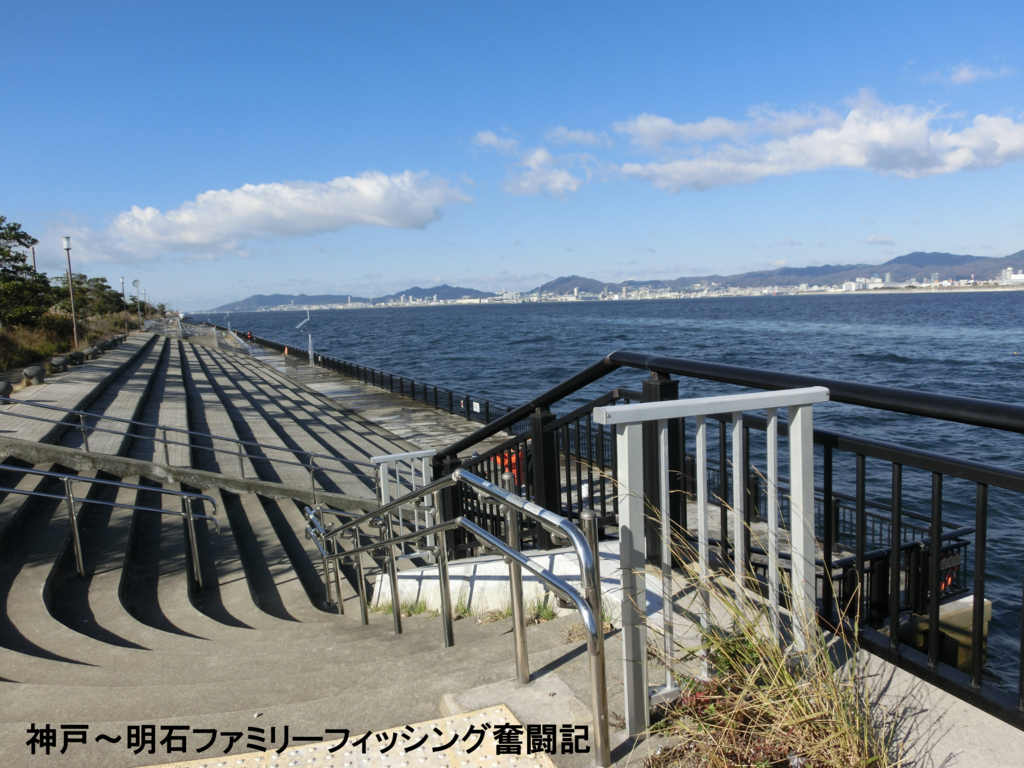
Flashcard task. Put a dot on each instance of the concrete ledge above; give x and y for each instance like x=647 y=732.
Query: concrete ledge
x=42 y=453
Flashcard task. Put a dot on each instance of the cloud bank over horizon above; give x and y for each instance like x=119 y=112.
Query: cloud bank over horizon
x=902 y=140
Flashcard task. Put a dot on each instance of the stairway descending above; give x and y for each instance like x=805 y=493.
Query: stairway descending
x=167 y=406
x=123 y=398
x=136 y=639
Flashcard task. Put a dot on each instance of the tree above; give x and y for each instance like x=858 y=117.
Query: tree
x=24 y=293
x=92 y=295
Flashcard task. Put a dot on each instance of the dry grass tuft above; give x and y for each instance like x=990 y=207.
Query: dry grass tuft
x=767 y=705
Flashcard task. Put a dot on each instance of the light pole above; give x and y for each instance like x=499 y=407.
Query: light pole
x=138 y=307
x=309 y=330
x=124 y=301
x=71 y=291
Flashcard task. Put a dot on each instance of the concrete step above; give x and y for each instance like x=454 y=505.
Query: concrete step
x=75 y=390
x=294 y=431
x=289 y=586
x=274 y=465
x=485 y=655
x=363 y=437
x=209 y=416
x=122 y=398
x=354 y=652
x=167 y=405
x=15 y=507
x=389 y=707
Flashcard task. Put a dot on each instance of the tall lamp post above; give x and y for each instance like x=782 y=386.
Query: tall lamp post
x=309 y=330
x=138 y=307
x=71 y=291
x=125 y=311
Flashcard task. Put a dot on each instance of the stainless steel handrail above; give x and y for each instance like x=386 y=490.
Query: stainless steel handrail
x=589 y=606
x=82 y=426
x=68 y=497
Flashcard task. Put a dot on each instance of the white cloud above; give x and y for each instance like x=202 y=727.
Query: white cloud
x=968 y=73
x=881 y=240
x=651 y=132
x=563 y=135
x=494 y=141
x=541 y=176
x=221 y=220
x=901 y=140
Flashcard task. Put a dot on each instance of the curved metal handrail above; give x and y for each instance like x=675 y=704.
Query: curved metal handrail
x=589 y=607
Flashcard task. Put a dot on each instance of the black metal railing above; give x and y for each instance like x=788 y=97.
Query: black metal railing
x=893 y=555
x=890 y=563
x=471 y=407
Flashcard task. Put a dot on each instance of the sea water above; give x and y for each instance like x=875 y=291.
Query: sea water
x=965 y=343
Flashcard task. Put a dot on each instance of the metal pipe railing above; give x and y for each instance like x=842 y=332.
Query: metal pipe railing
x=310 y=456
x=588 y=603
x=68 y=497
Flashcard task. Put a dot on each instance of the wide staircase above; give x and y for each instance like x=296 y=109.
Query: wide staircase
x=223 y=625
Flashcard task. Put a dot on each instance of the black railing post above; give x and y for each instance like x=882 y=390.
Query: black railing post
x=657 y=388
x=451 y=502
x=828 y=536
x=546 y=485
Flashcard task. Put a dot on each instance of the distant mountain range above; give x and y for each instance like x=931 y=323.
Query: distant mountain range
x=912 y=266
x=260 y=301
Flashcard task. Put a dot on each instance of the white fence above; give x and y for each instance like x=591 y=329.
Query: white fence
x=402 y=473
x=628 y=421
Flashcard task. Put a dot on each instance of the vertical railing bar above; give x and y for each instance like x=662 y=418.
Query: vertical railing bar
x=364 y=613
x=747 y=499
x=723 y=494
x=894 y=558
x=579 y=469
x=566 y=472
x=396 y=604
x=980 y=546
x=590 y=459
x=167 y=458
x=738 y=492
x=186 y=502
x=666 y=552
x=319 y=515
x=76 y=540
x=703 y=548
x=515 y=573
x=859 y=542
x=934 y=567
x=85 y=434
x=441 y=555
x=336 y=563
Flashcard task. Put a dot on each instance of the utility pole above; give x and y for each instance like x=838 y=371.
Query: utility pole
x=34 y=259
x=71 y=289
x=124 y=310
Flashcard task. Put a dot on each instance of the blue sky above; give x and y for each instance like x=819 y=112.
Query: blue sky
x=214 y=150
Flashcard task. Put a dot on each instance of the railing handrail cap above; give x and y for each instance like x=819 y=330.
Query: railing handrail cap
x=635 y=413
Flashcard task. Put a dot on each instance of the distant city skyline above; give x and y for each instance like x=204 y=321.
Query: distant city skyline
x=219 y=150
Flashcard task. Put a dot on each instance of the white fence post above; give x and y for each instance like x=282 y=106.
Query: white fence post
x=628 y=420
x=632 y=563
x=801 y=519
